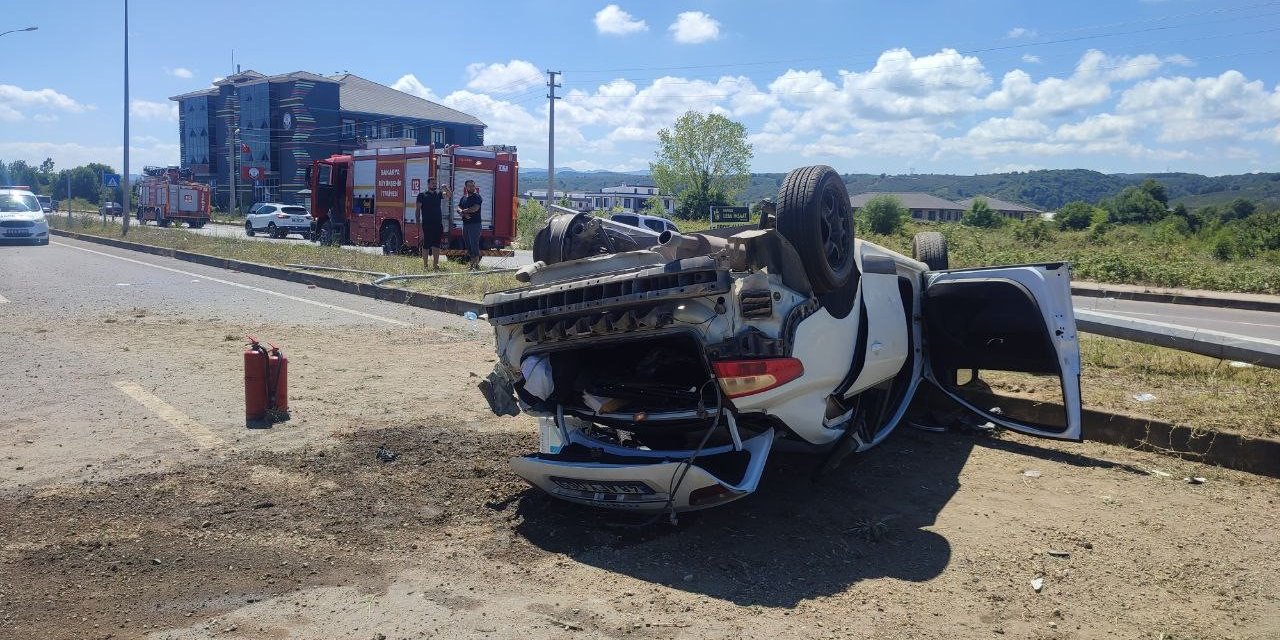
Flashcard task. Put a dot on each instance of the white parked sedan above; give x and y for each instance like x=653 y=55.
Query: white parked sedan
x=662 y=376
x=21 y=217
x=277 y=220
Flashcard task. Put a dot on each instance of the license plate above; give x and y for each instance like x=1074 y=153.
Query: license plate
x=17 y=234
x=600 y=486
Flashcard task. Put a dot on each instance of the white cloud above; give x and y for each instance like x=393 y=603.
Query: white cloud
x=43 y=117
x=148 y=110
x=1187 y=109
x=1014 y=168
x=410 y=84
x=694 y=27
x=142 y=152
x=1021 y=32
x=1030 y=58
x=612 y=20
x=179 y=72
x=513 y=77
x=15 y=101
x=1008 y=129
x=1098 y=127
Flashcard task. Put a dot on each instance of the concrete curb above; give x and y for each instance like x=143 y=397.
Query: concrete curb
x=1233 y=451
x=445 y=304
x=1196 y=297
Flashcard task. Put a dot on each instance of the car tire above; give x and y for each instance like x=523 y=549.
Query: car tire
x=164 y=222
x=930 y=247
x=272 y=231
x=392 y=242
x=248 y=229
x=814 y=215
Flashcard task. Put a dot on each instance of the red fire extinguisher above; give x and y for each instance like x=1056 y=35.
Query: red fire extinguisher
x=266 y=375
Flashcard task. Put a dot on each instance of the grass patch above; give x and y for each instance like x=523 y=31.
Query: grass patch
x=456 y=282
x=1120 y=255
x=1190 y=389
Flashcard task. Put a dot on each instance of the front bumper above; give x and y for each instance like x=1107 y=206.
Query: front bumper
x=38 y=233
x=601 y=474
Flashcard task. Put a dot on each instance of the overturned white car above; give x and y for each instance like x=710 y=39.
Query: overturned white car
x=664 y=369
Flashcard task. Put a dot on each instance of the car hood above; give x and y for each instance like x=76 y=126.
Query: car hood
x=33 y=216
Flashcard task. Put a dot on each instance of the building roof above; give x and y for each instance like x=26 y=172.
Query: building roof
x=366 y=96
x=1000 y=205
x=910 y=200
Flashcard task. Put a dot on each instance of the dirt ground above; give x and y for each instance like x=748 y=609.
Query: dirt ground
x=114 y=523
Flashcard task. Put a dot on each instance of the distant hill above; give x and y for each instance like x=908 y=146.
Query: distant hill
x=1046 y=189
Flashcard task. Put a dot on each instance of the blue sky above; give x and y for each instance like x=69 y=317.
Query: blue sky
x=927 y=86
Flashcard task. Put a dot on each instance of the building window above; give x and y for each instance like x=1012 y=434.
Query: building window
x=371 y=130
x=348 y=128
x=409 y=132
x=386 y=131
x=626 y=204
x=437 y=136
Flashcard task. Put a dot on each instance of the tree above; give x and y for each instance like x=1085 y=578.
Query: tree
x=1135 y=205
x=653 y=207
x=883 y=214
x=1155 y=190
x=1238 y=209
x=46 y=169
x=1074 y=216
x=980 y=214
x=704 y=160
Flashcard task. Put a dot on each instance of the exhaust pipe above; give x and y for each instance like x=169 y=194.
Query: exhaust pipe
x=677 y=246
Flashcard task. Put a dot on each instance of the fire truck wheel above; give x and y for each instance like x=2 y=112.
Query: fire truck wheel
x=248 y=228
x=164 y=222
x=391 y=240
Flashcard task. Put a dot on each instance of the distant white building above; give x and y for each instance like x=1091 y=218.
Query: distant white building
x=631 y=198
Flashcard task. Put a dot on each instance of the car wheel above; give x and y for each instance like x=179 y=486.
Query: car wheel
x=930 y=247
x=272 y=230
x=391 y=240
x=164 y=222
x=248 y=228
x=814 y=215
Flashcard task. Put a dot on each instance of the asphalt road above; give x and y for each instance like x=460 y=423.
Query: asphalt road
x=1254 y=324
x=80 y=318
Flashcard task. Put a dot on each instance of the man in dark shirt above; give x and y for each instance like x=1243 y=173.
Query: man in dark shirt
x=469 y=210
x=430 y=217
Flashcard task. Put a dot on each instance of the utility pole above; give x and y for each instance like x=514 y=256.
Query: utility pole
x=124 y=177
x=232 y=130
x=551 y=138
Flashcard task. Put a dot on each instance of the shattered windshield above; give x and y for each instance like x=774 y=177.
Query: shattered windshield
x=19 y=203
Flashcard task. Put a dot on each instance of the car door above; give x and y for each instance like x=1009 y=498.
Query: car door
x=260 y=218
x=1001 y=341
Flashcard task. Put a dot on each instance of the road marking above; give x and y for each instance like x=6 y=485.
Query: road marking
x=286 y=296
x=3 y=300
x=204 y=436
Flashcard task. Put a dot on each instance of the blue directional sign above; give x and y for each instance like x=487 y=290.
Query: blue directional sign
x=111 y=180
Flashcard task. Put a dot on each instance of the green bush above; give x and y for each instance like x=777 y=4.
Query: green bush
x=1035 y=232
x=530 y=217
x=883 y=215
x=1074 y=216
x=980 y=214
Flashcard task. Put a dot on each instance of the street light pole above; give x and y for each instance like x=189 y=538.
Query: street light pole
x=124 y=178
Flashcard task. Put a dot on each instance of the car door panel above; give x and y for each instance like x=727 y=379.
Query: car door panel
x=1001 y=341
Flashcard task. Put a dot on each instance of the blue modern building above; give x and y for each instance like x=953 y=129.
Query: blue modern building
x=285 y=121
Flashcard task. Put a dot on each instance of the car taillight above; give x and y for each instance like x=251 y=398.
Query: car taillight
x=744 y=377
x=282 y=215
x=713 y=494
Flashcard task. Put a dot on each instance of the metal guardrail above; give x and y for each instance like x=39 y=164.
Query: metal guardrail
x=1215 y=344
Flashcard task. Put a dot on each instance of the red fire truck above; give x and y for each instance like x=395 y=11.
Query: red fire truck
x=167 y=194
x=370 y=196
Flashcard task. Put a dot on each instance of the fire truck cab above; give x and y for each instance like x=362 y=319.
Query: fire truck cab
x=369 y=197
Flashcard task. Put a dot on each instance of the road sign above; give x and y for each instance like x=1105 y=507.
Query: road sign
x=111 y=180
x=729 y=216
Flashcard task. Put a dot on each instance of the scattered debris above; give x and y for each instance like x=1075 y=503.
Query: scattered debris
x=1031 y=473
x=1159 y=473
x=1037 y=584
x=385 y=455
x=1240 y=365
x=1196 y=480
x=1144 y=397
x=156 y=561
x=1059 y=553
